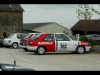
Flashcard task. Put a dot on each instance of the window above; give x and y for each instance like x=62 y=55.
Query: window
x=10 y=36
x=19 y=36
x=72 y=37
x=61 y=37
x=49 y=37
x=24 y=35
x=89 y=36
x=36 y=37
x=27 y=36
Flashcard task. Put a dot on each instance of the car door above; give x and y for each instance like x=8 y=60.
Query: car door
x=63 y=43
x=49 y=42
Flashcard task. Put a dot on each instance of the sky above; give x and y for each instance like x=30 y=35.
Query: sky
x=63 y=14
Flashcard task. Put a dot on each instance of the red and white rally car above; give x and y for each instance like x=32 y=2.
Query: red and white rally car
x=53 y=42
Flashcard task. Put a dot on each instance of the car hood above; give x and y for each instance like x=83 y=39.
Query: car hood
x=75 y=41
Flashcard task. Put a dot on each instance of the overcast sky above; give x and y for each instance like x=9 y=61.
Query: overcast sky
x=63 y=14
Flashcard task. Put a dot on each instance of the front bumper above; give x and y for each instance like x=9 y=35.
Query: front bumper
x=88 y=48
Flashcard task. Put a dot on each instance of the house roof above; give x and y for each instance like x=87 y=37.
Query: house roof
x=11 y=7
x=31 y=26
x=92 y=25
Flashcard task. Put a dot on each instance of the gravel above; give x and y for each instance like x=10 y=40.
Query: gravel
x=51 y=61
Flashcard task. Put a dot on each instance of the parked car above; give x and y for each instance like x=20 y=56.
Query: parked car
x=14 y=40
x=1 y=42
x=95 y=37
x=23 y=42
x=53 y=42
x=10 y=67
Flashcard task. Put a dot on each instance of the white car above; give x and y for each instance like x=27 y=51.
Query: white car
x=14 y=40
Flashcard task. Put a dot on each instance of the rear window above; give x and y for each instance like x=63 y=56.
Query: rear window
x=11 y=36
x=36 y=37
x=27 y=36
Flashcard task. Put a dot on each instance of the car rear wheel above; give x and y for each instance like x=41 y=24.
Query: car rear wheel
x=40 y=50
x=80 y=50
x=14 y=45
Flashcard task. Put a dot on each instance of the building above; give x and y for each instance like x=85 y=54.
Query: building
x=11 y=18
x=93 y=27
x=49 y=27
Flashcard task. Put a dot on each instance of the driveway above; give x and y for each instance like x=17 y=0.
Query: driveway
x=59 y=61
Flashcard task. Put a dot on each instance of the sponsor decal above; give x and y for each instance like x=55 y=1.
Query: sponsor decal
x=47 y=43
x=84 y=43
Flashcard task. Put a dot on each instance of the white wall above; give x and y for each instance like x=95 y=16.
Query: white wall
x=52 y=28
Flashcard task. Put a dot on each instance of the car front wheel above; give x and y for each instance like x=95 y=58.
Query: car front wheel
x=80 y=50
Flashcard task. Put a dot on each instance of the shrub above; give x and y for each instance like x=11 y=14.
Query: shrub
x=91 y=41
x=86 y=39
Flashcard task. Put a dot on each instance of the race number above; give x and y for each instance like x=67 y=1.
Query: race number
x=63 y=45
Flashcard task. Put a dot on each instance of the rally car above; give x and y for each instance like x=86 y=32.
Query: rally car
x=23 y=42
x=53 y=42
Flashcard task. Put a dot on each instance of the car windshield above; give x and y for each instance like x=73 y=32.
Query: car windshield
x=36 y=37
x=89 y=36
x=11 y=36
x=72 y=37
x=27 y=36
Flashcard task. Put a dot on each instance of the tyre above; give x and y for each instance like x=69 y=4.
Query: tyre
x=14 y=45
x=80 y=50
x=40 y=50
x=25 y=49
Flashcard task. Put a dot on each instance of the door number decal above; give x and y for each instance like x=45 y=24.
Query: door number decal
x=63 y=45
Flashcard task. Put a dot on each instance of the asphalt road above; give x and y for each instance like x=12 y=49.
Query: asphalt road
x=60 y=61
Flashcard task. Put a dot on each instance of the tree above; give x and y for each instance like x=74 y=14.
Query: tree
x=85 y=11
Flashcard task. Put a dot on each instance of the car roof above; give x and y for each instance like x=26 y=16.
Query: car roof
x=52 y=33
x=93 y=34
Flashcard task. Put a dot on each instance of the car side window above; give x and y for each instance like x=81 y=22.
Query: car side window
x=49 y=37
x=95 y=36
x=61 y=37
x=19 y=36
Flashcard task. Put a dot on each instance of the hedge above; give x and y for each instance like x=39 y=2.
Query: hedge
x=86 y=39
